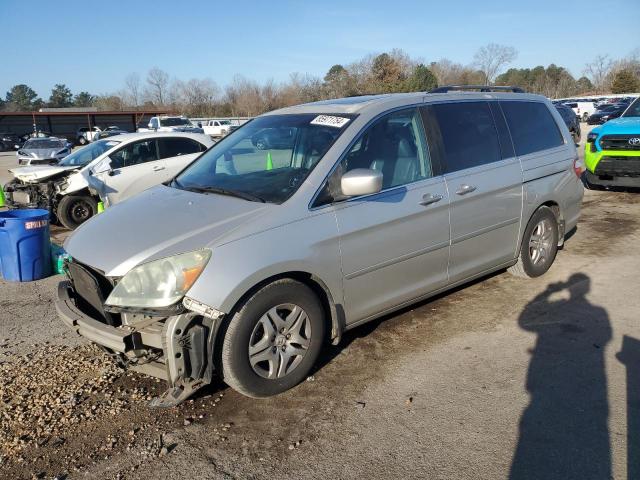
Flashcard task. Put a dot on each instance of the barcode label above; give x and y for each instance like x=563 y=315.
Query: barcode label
x=330 y=121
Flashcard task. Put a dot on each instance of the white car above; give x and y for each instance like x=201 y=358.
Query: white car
x=110 y=170
x=86 y=135
x=582 y=109
x=166 y=123
x=218 y=128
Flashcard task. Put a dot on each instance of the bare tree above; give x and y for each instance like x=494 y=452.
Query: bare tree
x=599 y=70
x=491 y=58
x=132 y=89
x=158 y=84
x=450 y=73
x=198 y=95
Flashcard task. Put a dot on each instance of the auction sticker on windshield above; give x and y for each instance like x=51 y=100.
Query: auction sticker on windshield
x=330 y=121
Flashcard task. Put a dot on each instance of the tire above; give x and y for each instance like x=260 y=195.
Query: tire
x=74 y=210
x=262 y=373
x=82 y=141
x=536 y=257
x=261 y=144
x=585 y=115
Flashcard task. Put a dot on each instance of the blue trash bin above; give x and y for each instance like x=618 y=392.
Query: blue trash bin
x=25 y=247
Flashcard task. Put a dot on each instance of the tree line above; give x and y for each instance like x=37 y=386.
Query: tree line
x=388 y=72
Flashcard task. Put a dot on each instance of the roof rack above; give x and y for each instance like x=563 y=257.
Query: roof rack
x=482 y=88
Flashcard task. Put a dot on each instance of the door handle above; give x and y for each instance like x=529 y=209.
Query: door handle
x=430 y=198
x=464 y=189
x=157 y=168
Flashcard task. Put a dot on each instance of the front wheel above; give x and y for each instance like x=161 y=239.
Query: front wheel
x=273 y=340
x=539 y=245
x=261 y=144
x=74 y=210
x=585 y=116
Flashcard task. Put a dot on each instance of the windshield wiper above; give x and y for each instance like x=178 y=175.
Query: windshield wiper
x=224 y=191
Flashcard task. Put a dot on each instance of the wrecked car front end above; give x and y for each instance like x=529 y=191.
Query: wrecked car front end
x=174 y=343
x=31 y=191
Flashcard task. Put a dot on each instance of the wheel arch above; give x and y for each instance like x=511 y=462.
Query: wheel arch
x=334 y=312
x=554 y=206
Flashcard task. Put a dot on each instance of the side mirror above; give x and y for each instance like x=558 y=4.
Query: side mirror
x=361 y=181
x=102 y=166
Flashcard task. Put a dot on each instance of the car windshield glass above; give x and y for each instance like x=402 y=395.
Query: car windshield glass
x=85 y=155
x=633 y=110
x=265 y=160
x=173 y=122
x=43 y=143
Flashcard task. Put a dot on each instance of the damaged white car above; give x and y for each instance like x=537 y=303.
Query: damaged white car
x=110 y=170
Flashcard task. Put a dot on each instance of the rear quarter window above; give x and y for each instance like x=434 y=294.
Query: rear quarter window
x=532 y=126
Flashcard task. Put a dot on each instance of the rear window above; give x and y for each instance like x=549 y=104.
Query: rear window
x=532 y=126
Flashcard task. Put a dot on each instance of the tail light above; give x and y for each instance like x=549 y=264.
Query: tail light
x=577 y=167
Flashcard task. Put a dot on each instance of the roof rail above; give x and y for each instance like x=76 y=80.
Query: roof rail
x=482 y=88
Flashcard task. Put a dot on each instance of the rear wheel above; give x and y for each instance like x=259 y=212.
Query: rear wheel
x=261 y=144
x=273 y=340
x=585 y=115
x=539 y=245
x=74 y=210
x=82 y=141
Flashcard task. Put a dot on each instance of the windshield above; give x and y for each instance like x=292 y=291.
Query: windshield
x=87 y=154
x=266 y=159
x=38 y=143
x=633 y=110
x=174 y=122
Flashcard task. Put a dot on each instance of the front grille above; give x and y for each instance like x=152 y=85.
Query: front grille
x=619 y=142
x=618 y=166
x=91 y=289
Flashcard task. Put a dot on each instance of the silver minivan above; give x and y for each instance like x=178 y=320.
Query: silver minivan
x=247 y=261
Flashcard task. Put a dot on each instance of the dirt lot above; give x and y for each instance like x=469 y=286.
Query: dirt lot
x=502 y=378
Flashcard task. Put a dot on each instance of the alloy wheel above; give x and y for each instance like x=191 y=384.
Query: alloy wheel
x=540 y=243
x=279 y=341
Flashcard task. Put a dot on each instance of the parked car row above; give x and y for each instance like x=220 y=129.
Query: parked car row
x=596 y=112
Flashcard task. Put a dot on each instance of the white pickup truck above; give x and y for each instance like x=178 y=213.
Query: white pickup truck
x=218 y=128
x=167 y=123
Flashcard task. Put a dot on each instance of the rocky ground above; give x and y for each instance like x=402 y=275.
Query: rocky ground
x=494 y=379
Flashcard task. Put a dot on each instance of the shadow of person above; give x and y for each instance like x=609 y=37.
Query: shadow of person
x=563 y=431
x=629 y=355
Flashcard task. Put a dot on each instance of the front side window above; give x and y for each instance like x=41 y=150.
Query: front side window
x=463 y=134
x=394 y=145
x=532 y=126
x=265 y=160
x=85 y=155
x=135 y=153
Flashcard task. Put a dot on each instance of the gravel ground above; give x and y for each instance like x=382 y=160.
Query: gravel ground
x=501 y=378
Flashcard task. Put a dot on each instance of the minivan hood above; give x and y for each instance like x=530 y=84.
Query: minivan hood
x=34 y=174
x=159 y=222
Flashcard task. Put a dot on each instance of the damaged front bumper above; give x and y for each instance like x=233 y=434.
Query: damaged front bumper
x=45 y=194
x=177 y=348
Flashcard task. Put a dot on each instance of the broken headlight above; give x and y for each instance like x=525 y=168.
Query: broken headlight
x=159 y=283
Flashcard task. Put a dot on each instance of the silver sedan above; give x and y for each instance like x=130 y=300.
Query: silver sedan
x=43 y=151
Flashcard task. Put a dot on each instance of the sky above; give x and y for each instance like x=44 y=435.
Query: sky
x=93 y=45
